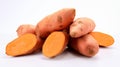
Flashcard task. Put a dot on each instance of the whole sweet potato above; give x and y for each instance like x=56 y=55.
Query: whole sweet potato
x=81 y=26
x=25 y=28
x=85 y=45
x=55 y=22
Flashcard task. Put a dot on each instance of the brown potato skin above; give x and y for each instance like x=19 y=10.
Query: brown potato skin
x=55 y=22
x=85 y=45
x=81 y=26
x=25 y=28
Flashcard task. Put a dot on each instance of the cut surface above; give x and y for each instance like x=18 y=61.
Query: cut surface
x=21 y=45
x=54 y=44
x=103 y=39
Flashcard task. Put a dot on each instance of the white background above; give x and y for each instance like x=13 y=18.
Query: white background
x=105 y=13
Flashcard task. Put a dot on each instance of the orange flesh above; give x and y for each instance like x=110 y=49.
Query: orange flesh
x=21 y=45
x=54 y=44
x=103 y=39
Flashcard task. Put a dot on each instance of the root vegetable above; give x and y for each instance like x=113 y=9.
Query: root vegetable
x=55 y=44
x=103 y=39
x=25 y=44
x=25 y=28
x=85 y=45
x=59 y=20
x=81 y=26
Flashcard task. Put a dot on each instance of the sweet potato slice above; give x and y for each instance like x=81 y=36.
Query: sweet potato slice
x=22 y=45
x=103 y=39
x=55 y=44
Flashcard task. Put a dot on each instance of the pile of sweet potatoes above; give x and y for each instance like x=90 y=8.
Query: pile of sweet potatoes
x=57 y=32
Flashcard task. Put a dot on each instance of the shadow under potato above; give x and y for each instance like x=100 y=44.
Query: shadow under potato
x=29 y=54
x=68 y=54
x=74 y=52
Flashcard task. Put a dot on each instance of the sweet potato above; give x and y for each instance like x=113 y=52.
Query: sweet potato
x=55 y=22
x=103 y=39
x=85 y=45
x=25 y=28
x=55 y=44
x=81 y=26
x=24 y=44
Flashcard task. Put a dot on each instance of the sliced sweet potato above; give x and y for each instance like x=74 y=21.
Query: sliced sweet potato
x=55 y=44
